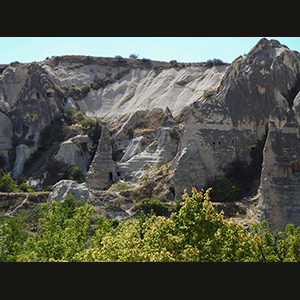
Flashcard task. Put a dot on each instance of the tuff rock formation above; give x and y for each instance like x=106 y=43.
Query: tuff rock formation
x=74 y=152
x=103 y=170
x=226 y=126
x=193 y=120
x=279 y=201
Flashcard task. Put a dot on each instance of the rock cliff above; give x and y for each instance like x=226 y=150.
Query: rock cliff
x=227 y=125
x=192 y=120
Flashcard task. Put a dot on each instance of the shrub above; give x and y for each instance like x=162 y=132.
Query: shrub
x=148 y=205
x=122 y=186
x=25 y=187
x=76 y=173
x=68 y=116
x=7 y=184
x=223 y=190
x=93 y=128
x=133 y=56
x=213 y=62
x=12 y=238
x=129 y=131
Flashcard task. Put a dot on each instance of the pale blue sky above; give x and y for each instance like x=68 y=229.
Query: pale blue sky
x=182 y=49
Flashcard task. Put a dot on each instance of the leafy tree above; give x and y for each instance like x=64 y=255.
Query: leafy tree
x=12 y=238
x=93 y=128
x=194 y=233
x=25 y=187
x=133 y=56
x=76 y=173
x=151 y=204
x=68 y=116
x=224 y=190
x=7 y=184
x=62 y=233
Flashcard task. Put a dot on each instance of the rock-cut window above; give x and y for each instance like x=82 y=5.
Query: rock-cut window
x=295 y=166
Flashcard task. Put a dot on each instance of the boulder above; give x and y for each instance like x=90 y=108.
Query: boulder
x=63 y=187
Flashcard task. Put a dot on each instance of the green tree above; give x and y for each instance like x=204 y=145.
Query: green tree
x=7 y=184
x=224 y=190
x=62 y=234
x=75 y=173
x=12 y=239
x=68 y=116
x=25 y=187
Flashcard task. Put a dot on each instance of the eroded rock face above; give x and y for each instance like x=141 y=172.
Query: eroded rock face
x=159 y=152
x=74 y=152
x=103 y=170
x=223 y=110
x=35 y=106
x=139 y=89
x=6 y=131
x=280 y=178
x=224 y=127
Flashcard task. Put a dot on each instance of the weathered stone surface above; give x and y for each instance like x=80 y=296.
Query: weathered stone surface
x=63 y=187
x=135 y=147
x=6 y=131
x=75 y=152
x=103 y=170
x=280 y=178
x=140 y=89
x=158 y=152
x=35 y=106
x=225 y=126
x=23 y=152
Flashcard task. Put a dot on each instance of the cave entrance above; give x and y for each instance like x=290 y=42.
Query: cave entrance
x=110 y=176
x=295 y=166
x=234 y=142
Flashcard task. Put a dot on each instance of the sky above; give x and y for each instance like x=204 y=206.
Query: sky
x=182 y=49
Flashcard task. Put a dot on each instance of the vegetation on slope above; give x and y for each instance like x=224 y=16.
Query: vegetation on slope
x=68 y=231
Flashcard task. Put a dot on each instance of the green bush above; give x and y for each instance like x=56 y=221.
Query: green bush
x=7 y=184
x=195 y=233
x=62 y=233
x=93 y=128
x=12 y=239
x=122 y=186
x=148 y=205
x=76 y=173
x=25 y=187
x=223 y=190
x=68 y=116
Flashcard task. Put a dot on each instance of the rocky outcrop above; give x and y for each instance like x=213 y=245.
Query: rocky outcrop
x=6 y=132
x=159 y=152
x=74 y=152
x=63 y=187
x=140 y=87
x=225 y=127
x=103 y=170
x=195 y=119
x=280 y=178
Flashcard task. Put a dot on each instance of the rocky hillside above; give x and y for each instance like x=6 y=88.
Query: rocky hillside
x=138 y=128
